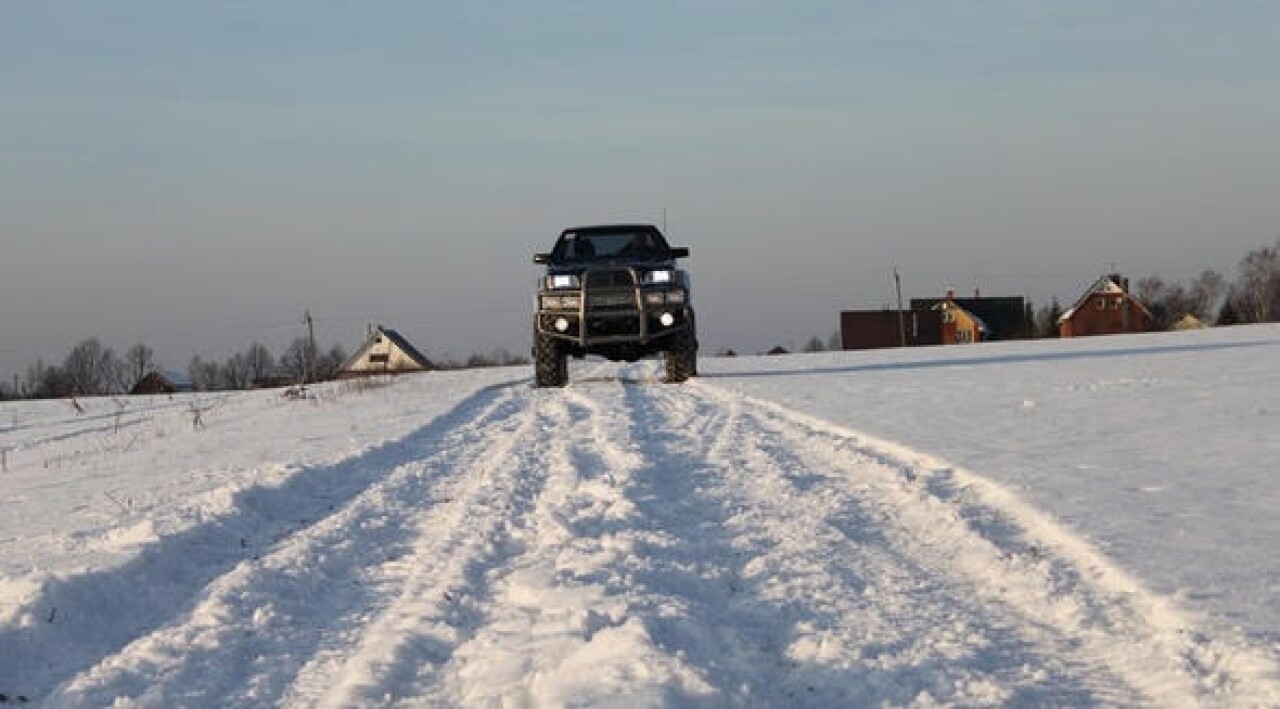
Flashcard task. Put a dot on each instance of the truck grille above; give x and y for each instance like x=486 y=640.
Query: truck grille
x=610 y=278
x=612 y=301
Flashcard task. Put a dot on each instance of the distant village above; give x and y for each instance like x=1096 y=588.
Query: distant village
x=1109 y=304
x=1107 y=307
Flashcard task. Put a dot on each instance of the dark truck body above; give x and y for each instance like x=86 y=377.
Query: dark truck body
x=614 y=291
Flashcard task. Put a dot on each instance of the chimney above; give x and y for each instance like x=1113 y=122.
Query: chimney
x=951 y=293
x=977 y=293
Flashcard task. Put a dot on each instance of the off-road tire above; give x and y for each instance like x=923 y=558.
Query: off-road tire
x=682 y=358
x=550 y=362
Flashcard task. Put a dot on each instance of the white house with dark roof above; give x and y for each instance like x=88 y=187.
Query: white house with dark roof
x=385 y=351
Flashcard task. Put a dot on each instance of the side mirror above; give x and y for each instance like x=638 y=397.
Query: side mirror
x=541 y=258
x=679 y=252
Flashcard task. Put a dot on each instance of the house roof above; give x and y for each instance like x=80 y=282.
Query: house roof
x=946 y=303
x=406 y=347
x=1105 y=285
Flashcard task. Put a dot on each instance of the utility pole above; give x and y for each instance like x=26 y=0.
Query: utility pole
x=309 y=364
x=902 y=325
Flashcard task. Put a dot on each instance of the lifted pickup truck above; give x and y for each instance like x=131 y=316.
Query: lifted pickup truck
x=614 y=291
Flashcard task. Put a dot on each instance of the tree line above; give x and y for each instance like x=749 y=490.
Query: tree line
x=93 y=369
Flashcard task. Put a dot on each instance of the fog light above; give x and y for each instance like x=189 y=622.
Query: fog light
x=562 y=325
x=667 y=319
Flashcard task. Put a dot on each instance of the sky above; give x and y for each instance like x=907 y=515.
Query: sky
x=399 y=163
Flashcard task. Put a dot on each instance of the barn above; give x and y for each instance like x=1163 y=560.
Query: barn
x=158 y=382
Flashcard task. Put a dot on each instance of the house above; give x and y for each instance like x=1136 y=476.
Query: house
x=157 y=382
x=937 y=321
x=385 y=351
x=874 y=329
x=1106 y=308
x=1002 y=317
x=959 y=326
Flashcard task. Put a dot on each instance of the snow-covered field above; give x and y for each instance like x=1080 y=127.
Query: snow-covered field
x=1041 y=523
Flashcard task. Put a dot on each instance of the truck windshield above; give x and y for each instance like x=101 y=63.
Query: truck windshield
x=586 y=247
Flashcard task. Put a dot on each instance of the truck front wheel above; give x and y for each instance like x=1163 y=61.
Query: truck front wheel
x=550 y=361
x=682 y=358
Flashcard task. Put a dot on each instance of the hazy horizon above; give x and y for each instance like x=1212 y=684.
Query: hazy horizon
x=196 y=176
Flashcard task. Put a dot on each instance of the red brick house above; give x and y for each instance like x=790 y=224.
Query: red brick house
x=1106 y=308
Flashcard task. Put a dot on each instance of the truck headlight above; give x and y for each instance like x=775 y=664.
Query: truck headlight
x=655 y=298
x=660 y=276
x=675 y=297
x=562 y=281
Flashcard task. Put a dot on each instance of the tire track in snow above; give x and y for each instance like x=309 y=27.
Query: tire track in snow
x=431 y=598
x=692 y=546
x=811 y=603
x=1069 y=605
x=252 y=621
x=565 y=624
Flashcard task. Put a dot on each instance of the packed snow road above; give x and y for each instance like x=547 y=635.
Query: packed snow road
x=624 y=542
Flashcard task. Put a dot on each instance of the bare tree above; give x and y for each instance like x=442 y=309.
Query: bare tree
x=1207 y=290
x=328 y=364
x=93 y=369
x=235 y=372
x=296 y=361
x=1229 y=313
x=31 y=383
x=1151 y=289
x=51 y=383
x=139 y=363
x=259 y=362
x=1258 y=288
x=204 y=375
